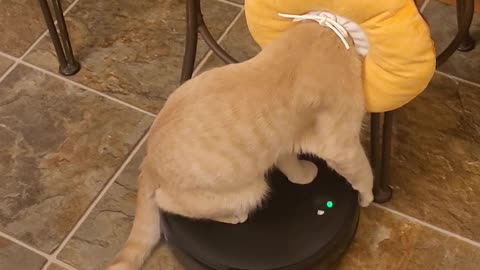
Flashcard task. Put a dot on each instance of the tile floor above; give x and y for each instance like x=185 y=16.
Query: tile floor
x=70 y=147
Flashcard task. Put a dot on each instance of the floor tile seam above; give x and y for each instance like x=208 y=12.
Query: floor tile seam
x=230 y=3
x=424 y=5
x=60 y=263
x=24 y=245
x=46 y=256
x=20 y=60
x=458 y=79
x=100 y=195
x=428 y=225
x=219 y=40
x=87 y=88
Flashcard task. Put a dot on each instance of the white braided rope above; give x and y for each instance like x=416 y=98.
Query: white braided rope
x=341 y=26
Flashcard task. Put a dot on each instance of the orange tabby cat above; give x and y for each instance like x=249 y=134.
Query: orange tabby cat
x=218 y=134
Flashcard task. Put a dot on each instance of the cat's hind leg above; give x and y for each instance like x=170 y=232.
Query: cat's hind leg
x=226 y=204
x=238 y=204
x=297 y=171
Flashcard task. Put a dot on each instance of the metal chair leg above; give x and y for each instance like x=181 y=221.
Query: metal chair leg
x=384 y=191
x=467 y=44
x=212 y=43
x=195 y=25
x=375 y=147
x=380 y=155
x=465 y=9
x=60 y=39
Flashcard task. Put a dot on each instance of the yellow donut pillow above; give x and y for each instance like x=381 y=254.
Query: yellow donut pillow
x=401 y=56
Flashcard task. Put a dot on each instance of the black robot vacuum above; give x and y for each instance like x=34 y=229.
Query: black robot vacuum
x=299 y=226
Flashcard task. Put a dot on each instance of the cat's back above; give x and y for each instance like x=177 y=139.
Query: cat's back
x=217 y=97
x=224 y=115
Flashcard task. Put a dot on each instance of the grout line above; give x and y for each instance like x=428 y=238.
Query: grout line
x=428 y=225
x=45 y=266
x=230 y=3
x=56 y=261
x=79 y=85
x=33 y=45
x=219 y=40
x=13 y=58
x=62 y=264
x=49 y=257
x=230 y=26
x=20 y=243
x=453 y=77
x=424 y=5
x=84 y=87
x=12 y=67
x=202 y=63
x=100 y=196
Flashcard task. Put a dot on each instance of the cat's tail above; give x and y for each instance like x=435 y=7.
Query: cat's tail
x=145 y=232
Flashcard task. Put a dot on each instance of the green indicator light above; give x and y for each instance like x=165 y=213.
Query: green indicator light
x=329 y=204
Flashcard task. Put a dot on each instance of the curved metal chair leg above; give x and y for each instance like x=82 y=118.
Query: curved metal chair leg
x=212 y=43
x=60 y=39
x=195 y=25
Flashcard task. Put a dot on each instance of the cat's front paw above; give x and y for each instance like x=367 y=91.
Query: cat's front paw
x=365 y=199
x=307 y=174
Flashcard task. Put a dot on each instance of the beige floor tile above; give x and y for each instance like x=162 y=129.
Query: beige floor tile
x=241 y=2
x=132 y=50
x=106 y=229
x=5 y=63
x=16 y=257
x=436 y=157
x=59 y=146
x=385 y=241
x=55 y=267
